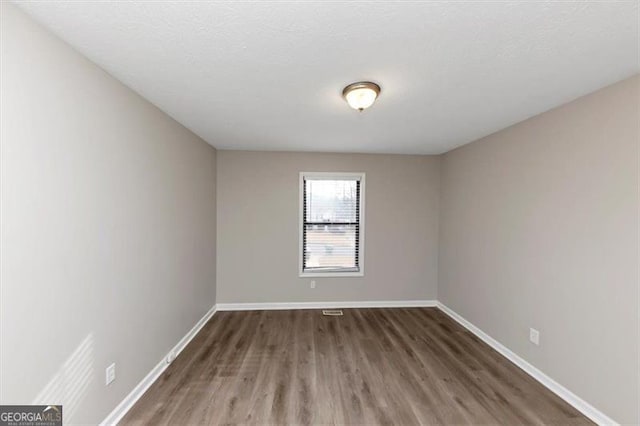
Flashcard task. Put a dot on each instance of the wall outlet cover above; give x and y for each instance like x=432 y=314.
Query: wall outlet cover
x=110 y=374
x=534 y=336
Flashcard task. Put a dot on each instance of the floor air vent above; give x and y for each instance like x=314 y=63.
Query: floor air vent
x=332 y=312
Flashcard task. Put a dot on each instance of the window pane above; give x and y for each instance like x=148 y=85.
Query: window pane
x=330 y=246
x=331 y=201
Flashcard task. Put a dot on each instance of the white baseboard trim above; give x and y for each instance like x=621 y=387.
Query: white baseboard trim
x=578 y=403
x=125 y=405
x=326 y=305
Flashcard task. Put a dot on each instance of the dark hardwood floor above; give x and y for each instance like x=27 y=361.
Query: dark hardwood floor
x=370 y=366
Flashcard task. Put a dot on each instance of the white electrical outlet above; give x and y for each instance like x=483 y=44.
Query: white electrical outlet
x=313 y=284
x=110 y=374
x=171 y=357
x=534 y=336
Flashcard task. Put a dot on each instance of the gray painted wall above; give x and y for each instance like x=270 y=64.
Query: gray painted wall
x=258 y=236
x=539 y=228
x=108 y=228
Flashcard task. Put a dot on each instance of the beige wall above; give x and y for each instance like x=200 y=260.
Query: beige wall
x=108 y=228
x=539 y=228
x=258 y=236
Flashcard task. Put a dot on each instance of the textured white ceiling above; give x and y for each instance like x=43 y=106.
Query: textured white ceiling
x=268 y=75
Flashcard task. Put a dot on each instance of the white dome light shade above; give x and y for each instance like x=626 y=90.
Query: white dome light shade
x=361 y=95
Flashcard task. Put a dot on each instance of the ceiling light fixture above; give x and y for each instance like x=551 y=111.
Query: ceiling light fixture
x=361 y=95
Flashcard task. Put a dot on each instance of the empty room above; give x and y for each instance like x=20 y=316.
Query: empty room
x=319 y=212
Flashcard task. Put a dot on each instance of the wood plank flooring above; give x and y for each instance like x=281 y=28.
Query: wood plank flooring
x=370 y=366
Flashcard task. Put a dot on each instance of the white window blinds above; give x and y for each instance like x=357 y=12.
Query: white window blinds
x=331 y=223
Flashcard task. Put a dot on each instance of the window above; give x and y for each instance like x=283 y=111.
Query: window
x=331 y=224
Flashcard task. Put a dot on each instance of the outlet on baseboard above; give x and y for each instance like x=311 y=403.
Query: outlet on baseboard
x=171 y=357
x=534 y=336
x=313 y=284
x=110 y=374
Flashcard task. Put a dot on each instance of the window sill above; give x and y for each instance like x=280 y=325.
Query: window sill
x=331 y=274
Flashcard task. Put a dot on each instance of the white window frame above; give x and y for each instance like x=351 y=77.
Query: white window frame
x=331 y=176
